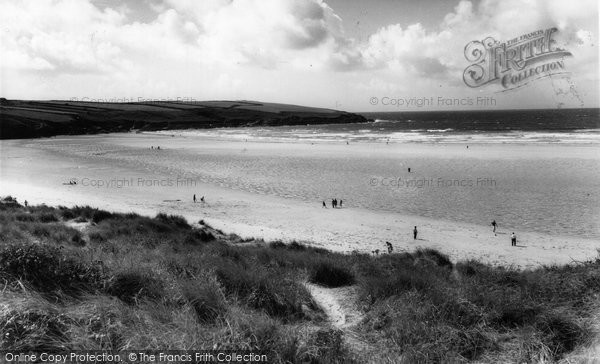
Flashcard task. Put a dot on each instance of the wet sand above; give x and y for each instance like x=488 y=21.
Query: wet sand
x=35 y=170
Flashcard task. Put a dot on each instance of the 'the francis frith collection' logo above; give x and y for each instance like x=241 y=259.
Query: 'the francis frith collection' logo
x=516 y=62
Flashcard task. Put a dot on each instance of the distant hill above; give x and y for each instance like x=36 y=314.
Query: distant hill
x=31 y=119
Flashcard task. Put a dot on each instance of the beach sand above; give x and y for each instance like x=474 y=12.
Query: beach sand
x=35 y=170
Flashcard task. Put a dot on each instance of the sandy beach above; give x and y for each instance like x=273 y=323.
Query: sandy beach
x=115 y=172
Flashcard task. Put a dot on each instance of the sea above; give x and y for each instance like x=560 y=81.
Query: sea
x=535 y=170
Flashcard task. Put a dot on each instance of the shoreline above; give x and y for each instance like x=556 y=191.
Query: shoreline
x=34 y=171
x=314 y=226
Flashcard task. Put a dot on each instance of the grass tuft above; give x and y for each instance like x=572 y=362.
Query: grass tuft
x=133 y=285
x=48 y=269
x=330 y=274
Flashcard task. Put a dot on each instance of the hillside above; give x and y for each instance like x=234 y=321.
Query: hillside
x=31 y=119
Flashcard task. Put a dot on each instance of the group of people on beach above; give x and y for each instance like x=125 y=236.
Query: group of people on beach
x=513 y=236
x=152 y=147
x=201 y=198
x=334 y=203
x=390 y=247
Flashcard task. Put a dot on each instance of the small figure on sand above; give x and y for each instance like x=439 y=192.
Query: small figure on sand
x=513 y=239
x=202 y=199
x=26 y=203
x=390 y=248
x=341 y=202
x=494 y=225
x=194 y=198
x=408 y=169
x=467 y=147
x=415 y=232
x=152 y=147
x=324 y=205
x=158 y=147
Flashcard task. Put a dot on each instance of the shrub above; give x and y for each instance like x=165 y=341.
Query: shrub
x=133 y=285
x=441 y=260
x=517 y=315
x=375 y=288
x=25 y=217
x=96 y=237
x=278 y=244
x=85 y=212
x=263 y=291
x=77 y=240
x=33 y=330
x=294 y=245
x=206 y=300
x=67 y=214
x=47 y=217
x=9 y=202
x=198 y=235
x=561 y=333
x=175 y=220
x=470 y=268
x=48 y=269
x=100 y=215
x=328 y=274
x=327 y=347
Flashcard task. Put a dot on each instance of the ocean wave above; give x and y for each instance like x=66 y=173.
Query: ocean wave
x=439 y=130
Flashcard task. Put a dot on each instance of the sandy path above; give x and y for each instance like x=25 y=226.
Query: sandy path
x=339 y=304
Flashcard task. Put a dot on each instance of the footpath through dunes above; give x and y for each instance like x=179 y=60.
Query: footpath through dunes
x=340 y=306
x=83 y=278
x=31 y=119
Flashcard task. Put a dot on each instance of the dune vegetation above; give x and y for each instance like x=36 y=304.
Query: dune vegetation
x=82 y=278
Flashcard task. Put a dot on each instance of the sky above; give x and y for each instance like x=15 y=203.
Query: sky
x=354 y=55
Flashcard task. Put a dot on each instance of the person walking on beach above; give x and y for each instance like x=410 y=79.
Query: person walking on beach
x=341 y=202
x=415 y=232
x=513 y=239
x=194 y=198
x=202 y=199
x=332 y=203
x=408 y=169
x=324 y=205
x=494 y=225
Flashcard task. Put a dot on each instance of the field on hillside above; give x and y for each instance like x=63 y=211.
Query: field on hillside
x=30 y=119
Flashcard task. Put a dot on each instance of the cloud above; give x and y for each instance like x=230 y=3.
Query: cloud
x=69 y=36
x=165 y=45
x=414 y=51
